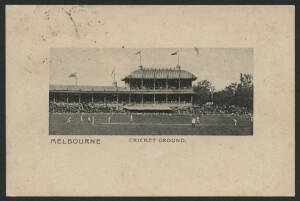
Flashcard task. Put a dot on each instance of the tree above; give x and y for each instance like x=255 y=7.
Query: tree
x=203 y=92
x=232 y=88
x=244 y=93
x=226 y=96
x=240 y=94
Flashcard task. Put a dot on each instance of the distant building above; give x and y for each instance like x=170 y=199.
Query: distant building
x=146 y=89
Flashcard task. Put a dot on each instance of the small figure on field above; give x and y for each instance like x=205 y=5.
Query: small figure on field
x=69 y=119
x=93 y=120
x=193 y=122
x=198 y=121
x=235 y=122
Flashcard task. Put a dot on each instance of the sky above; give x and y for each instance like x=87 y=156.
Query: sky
x=94 y=66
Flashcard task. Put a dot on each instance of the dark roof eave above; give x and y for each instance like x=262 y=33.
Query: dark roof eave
x=127 y=78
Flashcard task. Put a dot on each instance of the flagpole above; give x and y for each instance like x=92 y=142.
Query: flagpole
x=141 y=58
x=178 y=57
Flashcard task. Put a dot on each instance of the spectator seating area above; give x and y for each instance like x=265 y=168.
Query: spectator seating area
x=115 y=108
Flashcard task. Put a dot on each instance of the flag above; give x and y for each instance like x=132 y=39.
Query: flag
x=174 y=53
x=139 y=52
x=112 y=72
x=196 y=50
x=73 y=75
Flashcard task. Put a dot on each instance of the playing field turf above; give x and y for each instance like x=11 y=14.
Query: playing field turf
x=147 y=124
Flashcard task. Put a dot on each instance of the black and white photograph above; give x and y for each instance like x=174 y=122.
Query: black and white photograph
x=151 y=91
x=156 y=100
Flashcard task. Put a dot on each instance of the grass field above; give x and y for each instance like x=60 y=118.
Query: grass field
x=147 y=124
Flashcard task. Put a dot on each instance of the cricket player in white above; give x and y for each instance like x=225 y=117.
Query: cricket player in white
x=198 y=121
x=235 y=122
x=193 y=122
x=69 y=119
x=93 y=120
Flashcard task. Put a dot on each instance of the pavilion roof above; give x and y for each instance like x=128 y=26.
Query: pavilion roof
x=160 y=73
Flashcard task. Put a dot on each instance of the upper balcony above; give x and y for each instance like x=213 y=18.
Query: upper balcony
x=162 y=90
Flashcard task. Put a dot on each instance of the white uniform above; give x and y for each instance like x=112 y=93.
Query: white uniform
x=193 y=122
x=235 y=122
x=198 y=120
x=69 y=120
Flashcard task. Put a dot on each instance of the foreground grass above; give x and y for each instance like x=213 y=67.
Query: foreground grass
x=148 y=124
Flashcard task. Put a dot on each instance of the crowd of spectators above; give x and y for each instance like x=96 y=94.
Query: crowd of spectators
x=115 y=108
x=212 y=109
x=84 y=107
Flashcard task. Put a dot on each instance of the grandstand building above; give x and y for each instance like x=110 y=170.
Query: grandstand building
x=146 y=89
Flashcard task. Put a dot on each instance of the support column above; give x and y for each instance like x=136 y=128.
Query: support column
x=179 y=79
x=166 y=98
x=68 y=102
x=117 y=101
x=142 y=98
x=129 y=99
x=104 y=100
x=92 y=97
x=53 y=108
x=154 y=84
x=79 y=102
x=129 y=84
x=154 y=98
x=179 y=99
x=167 y=84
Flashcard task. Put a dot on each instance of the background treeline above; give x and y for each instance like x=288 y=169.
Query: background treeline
x=237 y=94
